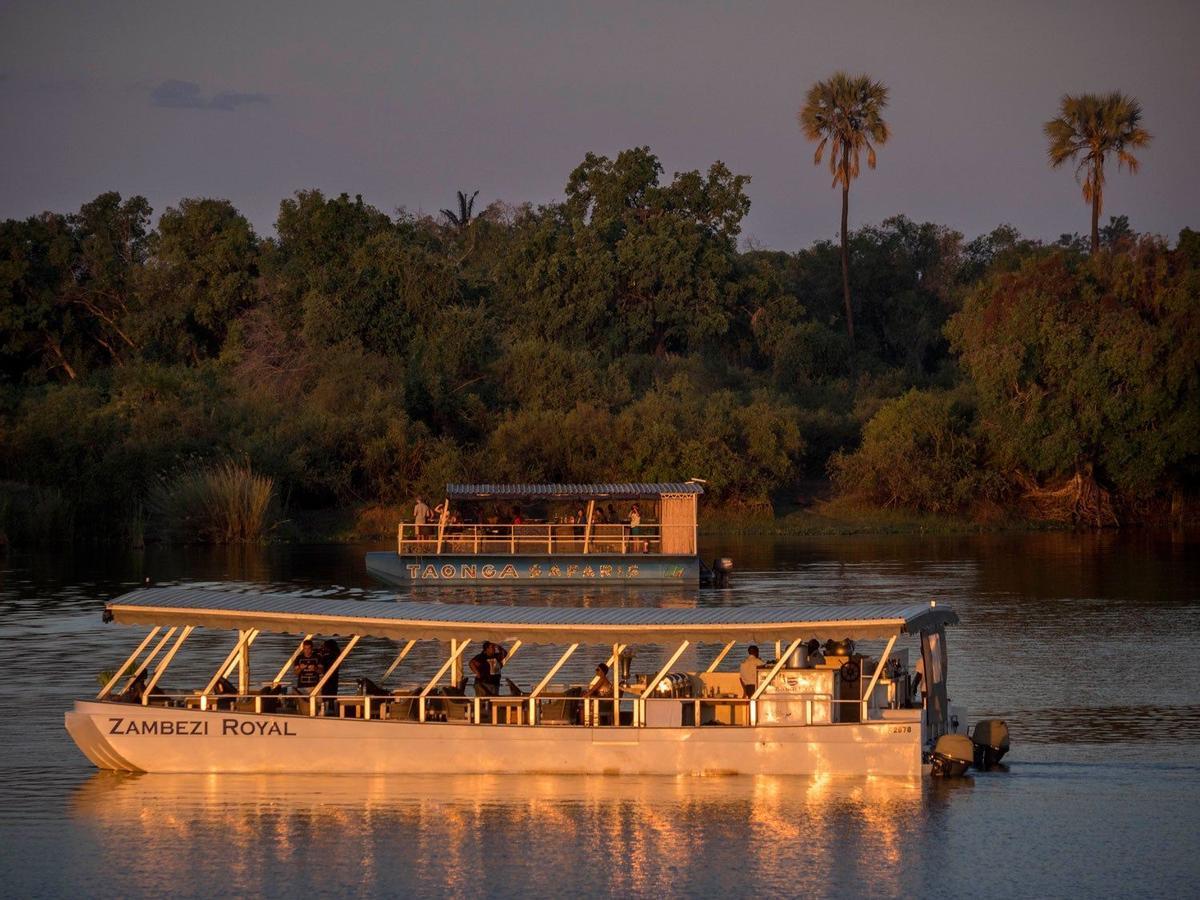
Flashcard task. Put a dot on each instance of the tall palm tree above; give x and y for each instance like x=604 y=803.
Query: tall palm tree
x=1087 y=128
x=845 y=113
x=466 y=206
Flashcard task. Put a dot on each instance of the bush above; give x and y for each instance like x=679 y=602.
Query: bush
x=227 y=503
x=918 y=452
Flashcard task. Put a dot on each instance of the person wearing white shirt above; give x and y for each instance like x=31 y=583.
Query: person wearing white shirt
x=748 y=670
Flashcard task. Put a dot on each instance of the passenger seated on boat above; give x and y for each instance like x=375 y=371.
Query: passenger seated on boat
x=308 y=668
x=486 y=665
x=748 y=670
x=133 y=693
x=225 y=693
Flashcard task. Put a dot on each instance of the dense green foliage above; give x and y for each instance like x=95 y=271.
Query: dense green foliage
x=356 y=357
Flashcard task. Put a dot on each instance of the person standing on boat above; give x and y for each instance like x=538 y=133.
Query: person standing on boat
x=748 y=670
x=635 y=528
x=308 y=668
x=420 y=517
x=487 y=665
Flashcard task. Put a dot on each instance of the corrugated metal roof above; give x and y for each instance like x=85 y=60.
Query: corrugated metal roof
x=612 y=491
x=288 y=612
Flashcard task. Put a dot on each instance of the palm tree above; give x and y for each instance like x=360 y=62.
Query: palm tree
x=845 y=114
x=1089 y=127
x=462 y=218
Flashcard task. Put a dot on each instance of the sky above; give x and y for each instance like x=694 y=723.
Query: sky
x=405 y=103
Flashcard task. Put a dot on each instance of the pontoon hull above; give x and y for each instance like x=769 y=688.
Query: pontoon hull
x=132 y=738
x=530 y=568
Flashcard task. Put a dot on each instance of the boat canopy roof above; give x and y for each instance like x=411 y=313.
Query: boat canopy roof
x=304 y=613
x=616 y=491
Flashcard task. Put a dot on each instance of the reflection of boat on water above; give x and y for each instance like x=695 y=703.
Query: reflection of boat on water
x=423 y=835
x=547 y=534
x=121 y=794
x=851 y=713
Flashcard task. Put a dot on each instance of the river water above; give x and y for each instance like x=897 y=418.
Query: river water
x=1086 y=645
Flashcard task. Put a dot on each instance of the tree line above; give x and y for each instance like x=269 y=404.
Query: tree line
x=618 y=333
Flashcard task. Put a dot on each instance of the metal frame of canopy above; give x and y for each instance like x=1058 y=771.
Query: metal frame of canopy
x=184 y=609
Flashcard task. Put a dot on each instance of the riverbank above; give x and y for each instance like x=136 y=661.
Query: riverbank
x=820 y=517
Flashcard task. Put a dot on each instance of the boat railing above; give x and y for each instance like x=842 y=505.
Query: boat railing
x=544 y=538
x=564 y=709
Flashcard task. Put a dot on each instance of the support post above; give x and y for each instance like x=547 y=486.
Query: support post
x=456 y=672
x=712 y=666
x=510 y=652
x=112 y=682
x=230 y=661
x=399 y=659
x=541 y=685
x=315 y=694
x=640 y=705
x=149 y=659
x=887 y=651
x=616 y=684
x=587 y=529
x=441 y=532
x=166 y=661
x=438 y=677
x=244 y=664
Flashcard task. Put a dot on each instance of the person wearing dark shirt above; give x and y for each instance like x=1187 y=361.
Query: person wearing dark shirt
x=308 y=668
x=486 y=665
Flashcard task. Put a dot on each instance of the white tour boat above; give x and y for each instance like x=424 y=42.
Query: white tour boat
x=850 y=713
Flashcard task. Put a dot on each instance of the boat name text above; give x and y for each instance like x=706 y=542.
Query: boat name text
x=447 y=571
x=190 y=727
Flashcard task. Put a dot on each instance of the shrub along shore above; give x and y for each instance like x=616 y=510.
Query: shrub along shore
x=192 y=380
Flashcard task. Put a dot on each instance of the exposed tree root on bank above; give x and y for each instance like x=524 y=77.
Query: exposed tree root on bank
x=1081 y=501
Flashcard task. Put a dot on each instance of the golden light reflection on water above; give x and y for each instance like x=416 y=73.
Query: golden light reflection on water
x=637 y=835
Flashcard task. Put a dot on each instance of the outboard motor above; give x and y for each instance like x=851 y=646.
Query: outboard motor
x=722 y=571
x=952 y=755
x=990 y=738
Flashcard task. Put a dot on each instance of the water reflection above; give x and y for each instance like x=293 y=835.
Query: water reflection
x=635 y=835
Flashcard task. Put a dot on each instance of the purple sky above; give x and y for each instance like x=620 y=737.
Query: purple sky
x=405 y=103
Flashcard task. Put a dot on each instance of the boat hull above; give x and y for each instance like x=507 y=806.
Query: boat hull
x=450 y=568
x=127 y=737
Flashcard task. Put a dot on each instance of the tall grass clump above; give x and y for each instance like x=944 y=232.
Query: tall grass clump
x=224 y=504
x=31 y=514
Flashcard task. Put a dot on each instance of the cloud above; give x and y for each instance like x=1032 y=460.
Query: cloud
x=176 y=94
